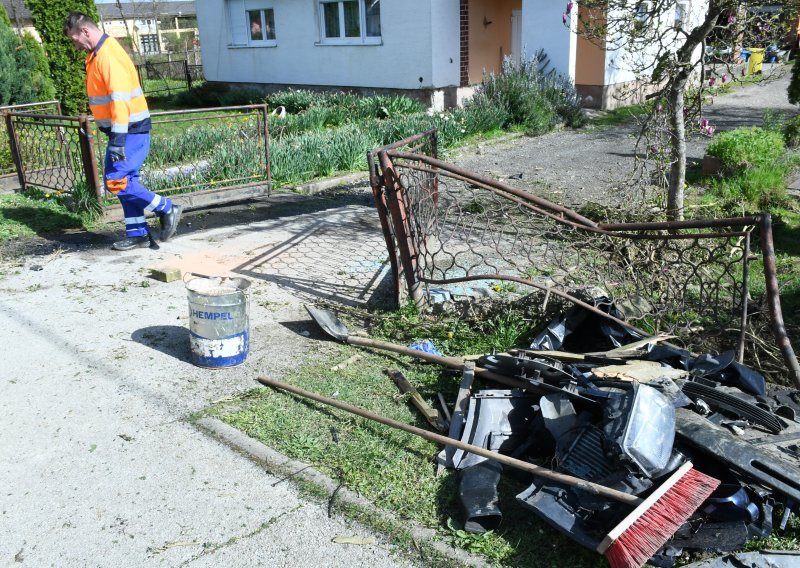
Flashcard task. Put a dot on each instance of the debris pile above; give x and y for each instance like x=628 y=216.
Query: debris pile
x=631 y=446
x=602 y=403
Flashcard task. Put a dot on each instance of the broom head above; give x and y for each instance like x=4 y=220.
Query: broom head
x=653 y=523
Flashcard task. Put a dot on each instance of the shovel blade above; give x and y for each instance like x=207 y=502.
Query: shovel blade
x=329 y=323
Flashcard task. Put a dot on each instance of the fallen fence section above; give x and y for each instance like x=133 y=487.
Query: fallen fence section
x=446 y=226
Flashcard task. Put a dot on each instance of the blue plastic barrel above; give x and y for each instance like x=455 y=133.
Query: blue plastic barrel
x=219 y=321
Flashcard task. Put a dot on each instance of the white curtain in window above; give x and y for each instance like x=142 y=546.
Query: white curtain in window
x=373 y=17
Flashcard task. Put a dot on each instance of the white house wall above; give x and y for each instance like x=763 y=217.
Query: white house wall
x=542 y=28
x=446 y=42
x=411 y=54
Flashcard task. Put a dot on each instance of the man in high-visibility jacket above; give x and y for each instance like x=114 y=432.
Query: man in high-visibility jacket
x=120 y=110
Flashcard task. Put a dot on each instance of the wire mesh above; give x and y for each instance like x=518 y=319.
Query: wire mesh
x=158 y=77
x=683 y=280
x=47 y=107
x=49 y=148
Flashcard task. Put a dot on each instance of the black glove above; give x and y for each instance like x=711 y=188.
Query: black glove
x=116 y=153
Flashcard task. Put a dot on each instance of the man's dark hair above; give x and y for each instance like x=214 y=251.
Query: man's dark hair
x=75 y=21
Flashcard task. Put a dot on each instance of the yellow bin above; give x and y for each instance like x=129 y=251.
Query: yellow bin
x=755 y=60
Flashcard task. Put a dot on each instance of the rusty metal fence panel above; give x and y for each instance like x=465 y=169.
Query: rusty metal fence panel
x=202 y=154
x=7 y=165
x=52 y=152
x=445 y=226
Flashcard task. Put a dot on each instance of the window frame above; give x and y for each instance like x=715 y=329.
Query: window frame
x=238 y=18
x=266 y=42
x=341 y=39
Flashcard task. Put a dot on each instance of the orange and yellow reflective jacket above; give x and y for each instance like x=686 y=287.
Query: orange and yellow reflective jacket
x=115 y=95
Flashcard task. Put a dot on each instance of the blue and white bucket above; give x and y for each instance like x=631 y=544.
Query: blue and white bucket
x=219 y=321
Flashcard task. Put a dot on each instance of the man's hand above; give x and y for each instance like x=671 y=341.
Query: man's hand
x=116 y=153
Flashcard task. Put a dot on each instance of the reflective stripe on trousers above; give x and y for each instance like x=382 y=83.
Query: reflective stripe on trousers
x=135 y=198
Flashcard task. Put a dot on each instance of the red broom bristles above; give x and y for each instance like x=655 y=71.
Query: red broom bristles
x=639 y=538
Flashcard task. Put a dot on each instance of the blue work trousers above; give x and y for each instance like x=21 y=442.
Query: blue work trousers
x=136 y=199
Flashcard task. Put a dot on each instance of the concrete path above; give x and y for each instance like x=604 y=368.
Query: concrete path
x=98 y=464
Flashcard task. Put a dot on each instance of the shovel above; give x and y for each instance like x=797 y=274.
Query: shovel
x=331 y=325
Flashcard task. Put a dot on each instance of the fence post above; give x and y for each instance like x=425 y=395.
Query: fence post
x=187 y=74
x=266 y=147
x=409 y=256
x=774 y=300
x=88 y=157
x=13 y=142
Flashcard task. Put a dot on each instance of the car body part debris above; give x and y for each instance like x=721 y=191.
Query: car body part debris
x=445 y=457
x=498 y=420
x=766 y=467
x=730 y=502
x=477 y=492
x=759 y=559
x=561 y=508
x=544 y=472
x=631 y=542
x=717 y=537
x=641 y=426
x=718 y=399
x=725 y=369
x=430 y=414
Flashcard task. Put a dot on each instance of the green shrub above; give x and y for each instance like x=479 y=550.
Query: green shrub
x=39 y=78
x=791 y=132
x=295 y=101
x=24 y=75
x=531 y=97
x=746 y=148
x=66 y=63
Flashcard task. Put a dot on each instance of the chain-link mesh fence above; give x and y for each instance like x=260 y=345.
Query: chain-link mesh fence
x=159 y=77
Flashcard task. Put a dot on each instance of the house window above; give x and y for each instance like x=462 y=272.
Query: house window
x=350 y=21
x=149 y=43
x=261 y=24
x=251 y=23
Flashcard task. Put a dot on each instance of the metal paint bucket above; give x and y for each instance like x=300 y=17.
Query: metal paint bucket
x=219 y=321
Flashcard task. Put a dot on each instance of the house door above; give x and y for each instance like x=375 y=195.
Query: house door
x=516 y=36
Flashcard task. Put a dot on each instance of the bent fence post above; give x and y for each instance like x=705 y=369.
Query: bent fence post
x=774 y=299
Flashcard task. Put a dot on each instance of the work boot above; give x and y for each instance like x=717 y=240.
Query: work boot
x=131 y=243
x=169 y=222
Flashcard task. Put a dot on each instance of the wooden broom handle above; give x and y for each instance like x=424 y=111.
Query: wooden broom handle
x=587 y=486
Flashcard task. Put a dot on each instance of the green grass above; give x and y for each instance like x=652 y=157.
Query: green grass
x=25 y=217
x=392 y=468
x=619 y=116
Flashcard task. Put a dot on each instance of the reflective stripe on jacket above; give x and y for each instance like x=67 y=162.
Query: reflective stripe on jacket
x=115 y=95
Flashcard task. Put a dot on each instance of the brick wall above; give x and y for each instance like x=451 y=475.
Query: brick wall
x=464 y=25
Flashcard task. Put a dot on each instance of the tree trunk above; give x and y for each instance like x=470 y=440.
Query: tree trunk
x=677 y=170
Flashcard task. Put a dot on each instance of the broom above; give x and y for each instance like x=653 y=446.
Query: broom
x=631 y=543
